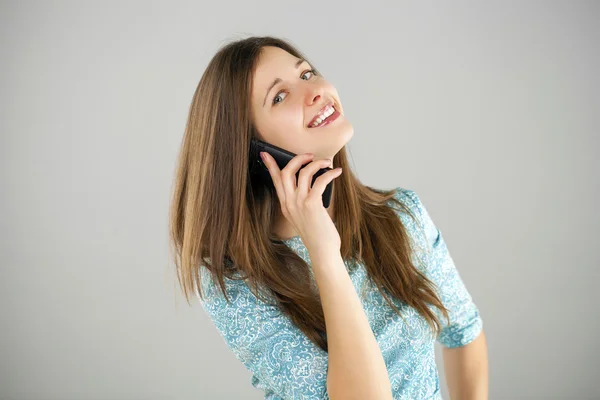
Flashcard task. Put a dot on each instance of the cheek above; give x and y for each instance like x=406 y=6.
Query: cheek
x=291 y=115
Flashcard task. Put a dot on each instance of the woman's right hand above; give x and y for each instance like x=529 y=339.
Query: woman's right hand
x=302 y=205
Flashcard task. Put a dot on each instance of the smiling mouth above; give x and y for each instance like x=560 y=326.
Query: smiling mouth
x=332 y=114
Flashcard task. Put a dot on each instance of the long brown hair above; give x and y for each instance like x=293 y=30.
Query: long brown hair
x=220 y=217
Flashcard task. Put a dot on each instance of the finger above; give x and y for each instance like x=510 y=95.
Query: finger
x=306 y=175
x=288 y=173
x=321 y=183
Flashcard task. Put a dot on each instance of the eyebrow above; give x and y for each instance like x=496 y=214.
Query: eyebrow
x=277 y=80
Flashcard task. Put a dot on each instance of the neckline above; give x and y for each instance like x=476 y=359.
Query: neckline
x=292 y=239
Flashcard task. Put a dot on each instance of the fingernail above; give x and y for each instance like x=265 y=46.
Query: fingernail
x=262 y=155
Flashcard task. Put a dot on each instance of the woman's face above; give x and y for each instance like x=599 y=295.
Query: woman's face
x=282 y=117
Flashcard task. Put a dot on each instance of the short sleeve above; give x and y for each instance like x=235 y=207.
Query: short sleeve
x=465 y=321
x=284 y=362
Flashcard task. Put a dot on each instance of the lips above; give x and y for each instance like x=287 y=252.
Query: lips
x=312 y=121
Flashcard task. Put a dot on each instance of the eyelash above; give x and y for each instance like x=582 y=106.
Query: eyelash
x=312 y=71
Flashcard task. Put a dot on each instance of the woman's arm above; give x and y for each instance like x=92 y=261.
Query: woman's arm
x=356 y=366
x=466 y=370
x=462 y=338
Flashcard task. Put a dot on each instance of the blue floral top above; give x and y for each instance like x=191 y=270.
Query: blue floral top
x=285 y=364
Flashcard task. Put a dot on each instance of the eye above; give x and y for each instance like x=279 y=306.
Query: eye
x=312 y=73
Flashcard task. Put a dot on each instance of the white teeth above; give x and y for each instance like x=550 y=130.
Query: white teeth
x=328 y=111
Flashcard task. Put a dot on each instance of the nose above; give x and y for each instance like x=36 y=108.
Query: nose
x=313 y=94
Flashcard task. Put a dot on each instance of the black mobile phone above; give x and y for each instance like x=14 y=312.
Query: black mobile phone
x=282 y=157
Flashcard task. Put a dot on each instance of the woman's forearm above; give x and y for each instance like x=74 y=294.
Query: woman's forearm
x=356 y=367
x=466 y=370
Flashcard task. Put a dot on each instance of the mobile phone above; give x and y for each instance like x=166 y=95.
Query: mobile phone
x=282 y=157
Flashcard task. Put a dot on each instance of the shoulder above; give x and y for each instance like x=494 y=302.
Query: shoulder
x=408 y=207
x=412 y=214
x=408 y=198
x=223 y=291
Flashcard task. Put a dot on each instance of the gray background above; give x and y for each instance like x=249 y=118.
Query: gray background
x=489 y=111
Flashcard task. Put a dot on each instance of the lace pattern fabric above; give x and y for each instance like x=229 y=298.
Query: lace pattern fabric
x=285 y=364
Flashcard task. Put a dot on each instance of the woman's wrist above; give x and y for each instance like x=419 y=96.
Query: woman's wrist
x=324 y=258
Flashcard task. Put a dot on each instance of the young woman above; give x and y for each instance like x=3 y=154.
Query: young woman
x=343 y=302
